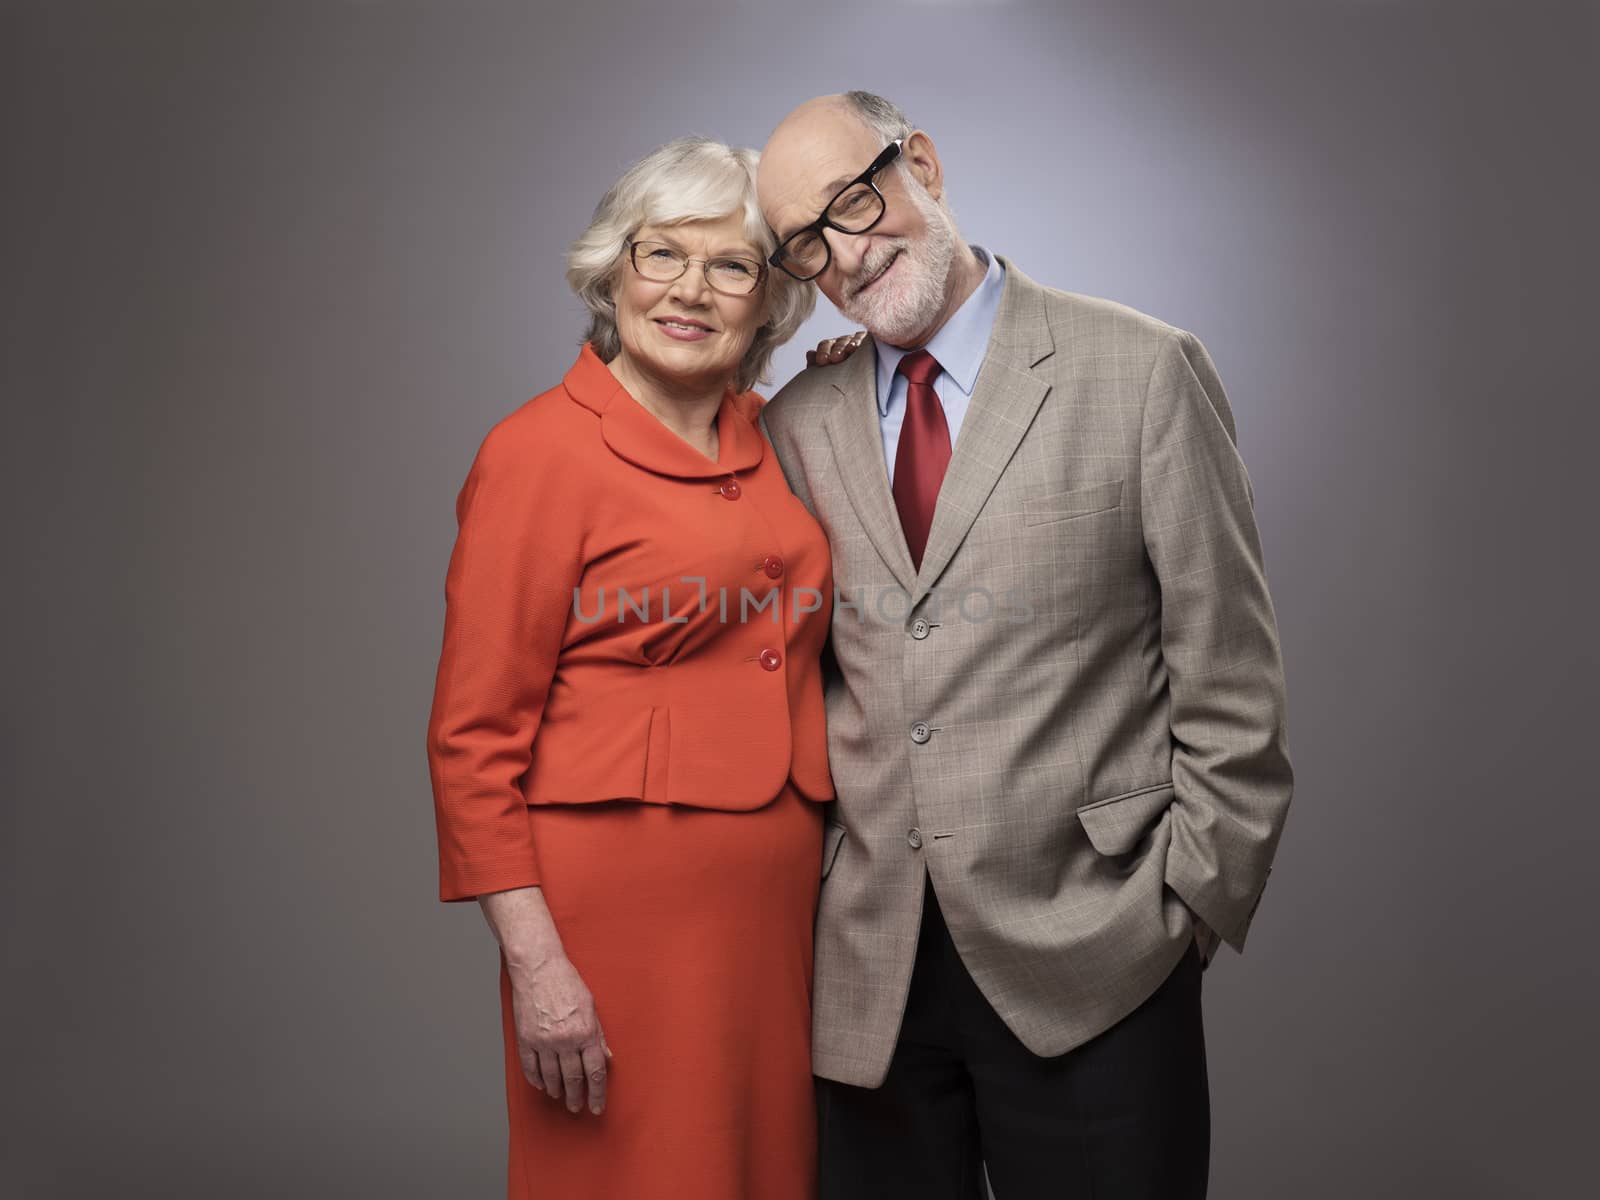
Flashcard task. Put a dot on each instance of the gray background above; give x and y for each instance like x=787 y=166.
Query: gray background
x=270 y=272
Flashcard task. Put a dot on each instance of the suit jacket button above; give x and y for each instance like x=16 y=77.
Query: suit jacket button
x=729 y=488
x=771 y=660
x=919 y=628
x=772 y=565
x=914 y=839
x=920 y=732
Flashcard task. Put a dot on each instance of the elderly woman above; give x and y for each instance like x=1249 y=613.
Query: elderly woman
x=626 y=743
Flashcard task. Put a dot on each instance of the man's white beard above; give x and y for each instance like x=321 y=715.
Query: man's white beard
x=901 y=307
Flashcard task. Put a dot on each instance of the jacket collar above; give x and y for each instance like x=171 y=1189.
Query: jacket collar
x=1006 y=395
x=634 y=433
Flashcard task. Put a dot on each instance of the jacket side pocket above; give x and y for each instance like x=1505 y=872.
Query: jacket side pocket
x=1118 y=823
x=832 y=839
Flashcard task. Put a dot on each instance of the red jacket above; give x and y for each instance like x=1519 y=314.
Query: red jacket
x=554 y=687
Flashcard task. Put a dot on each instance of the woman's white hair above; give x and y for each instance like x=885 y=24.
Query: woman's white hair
x=688 y=179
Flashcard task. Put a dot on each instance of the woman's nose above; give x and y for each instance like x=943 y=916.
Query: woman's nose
x=691 y=286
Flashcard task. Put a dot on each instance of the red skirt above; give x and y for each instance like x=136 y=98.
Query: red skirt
x=692 y=928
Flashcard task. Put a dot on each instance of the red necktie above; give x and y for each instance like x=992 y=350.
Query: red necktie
x=922 y=453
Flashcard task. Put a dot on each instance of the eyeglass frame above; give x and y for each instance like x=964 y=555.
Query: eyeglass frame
x=705 y=267
x=885 y=157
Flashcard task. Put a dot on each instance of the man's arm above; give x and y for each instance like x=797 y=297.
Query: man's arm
x=1231 y=774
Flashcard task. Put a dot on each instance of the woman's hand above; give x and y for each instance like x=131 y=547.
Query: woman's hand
x=559 y=1039
x=835 y=350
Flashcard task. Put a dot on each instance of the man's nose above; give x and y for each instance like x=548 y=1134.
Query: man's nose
x=848 y=250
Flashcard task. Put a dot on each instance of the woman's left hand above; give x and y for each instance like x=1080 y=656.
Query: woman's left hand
x=835 y=350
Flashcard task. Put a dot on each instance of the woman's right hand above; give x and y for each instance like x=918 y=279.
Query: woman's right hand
x=559 y=1039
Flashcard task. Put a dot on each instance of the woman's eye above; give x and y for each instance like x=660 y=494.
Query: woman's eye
x=732 y=266
x=661 y=255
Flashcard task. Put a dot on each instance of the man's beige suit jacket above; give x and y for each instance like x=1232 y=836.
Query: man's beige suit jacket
x=1072 y=717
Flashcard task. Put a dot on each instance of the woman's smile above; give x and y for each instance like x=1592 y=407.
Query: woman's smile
x=684 y=329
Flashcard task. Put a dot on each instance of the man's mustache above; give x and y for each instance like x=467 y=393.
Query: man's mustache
x=873 y=266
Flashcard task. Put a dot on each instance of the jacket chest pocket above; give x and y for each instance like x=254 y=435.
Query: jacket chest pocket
x=1072 y=503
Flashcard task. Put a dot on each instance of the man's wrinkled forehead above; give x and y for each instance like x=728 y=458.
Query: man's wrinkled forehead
x=805 y=168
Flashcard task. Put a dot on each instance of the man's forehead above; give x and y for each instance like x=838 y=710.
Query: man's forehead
x=812 y=173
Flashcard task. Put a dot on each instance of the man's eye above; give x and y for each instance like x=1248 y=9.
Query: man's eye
x=802 y=246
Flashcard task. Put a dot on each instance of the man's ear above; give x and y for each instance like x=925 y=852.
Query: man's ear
x=922 y=159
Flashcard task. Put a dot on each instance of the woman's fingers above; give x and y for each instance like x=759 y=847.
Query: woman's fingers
x=530 y=1066
x=550 y=1072
x=572 y=1076
x=572 y=1079
x=835 y=349
x=842 y=348
x=595 y=1068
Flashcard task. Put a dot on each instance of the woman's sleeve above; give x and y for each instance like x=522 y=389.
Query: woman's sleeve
x=508 y=592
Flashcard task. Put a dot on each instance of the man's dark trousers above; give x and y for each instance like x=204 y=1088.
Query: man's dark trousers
x=1125 y=1116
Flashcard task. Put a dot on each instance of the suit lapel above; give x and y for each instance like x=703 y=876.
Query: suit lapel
x=857 y=439
x=1005 y=397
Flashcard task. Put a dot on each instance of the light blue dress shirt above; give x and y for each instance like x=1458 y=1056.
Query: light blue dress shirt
x=959 y=346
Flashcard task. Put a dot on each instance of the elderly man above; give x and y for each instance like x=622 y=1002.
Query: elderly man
x=1056 y=711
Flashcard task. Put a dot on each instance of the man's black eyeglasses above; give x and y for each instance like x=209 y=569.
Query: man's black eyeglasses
x=855 y=208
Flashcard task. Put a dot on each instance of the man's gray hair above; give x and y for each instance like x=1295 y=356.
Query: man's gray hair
x=881 y=116
x=885 y=118
x=688 y=179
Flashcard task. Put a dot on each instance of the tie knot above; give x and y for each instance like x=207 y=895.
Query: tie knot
x=919 y=367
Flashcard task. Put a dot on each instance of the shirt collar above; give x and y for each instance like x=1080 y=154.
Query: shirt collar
x=962 y=341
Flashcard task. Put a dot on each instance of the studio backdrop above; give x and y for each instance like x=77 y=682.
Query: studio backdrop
x=272 y=270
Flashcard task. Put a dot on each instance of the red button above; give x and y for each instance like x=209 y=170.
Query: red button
x=771 y=660
x=772 y=565
x=729 y=489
